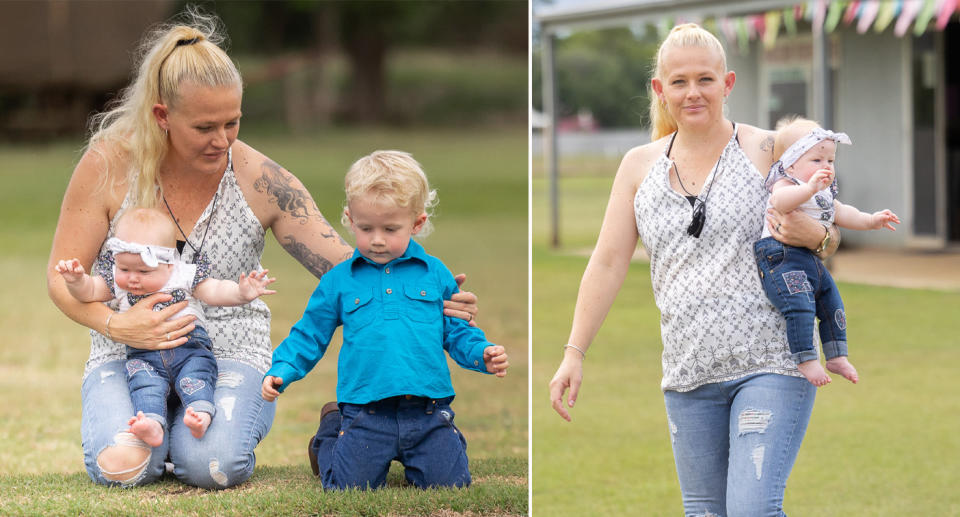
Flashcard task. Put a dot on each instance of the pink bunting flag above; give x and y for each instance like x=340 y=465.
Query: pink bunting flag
x=910 y=10
x=946 y=11
x=819 y=14
x=728 y=30
x=867 y=15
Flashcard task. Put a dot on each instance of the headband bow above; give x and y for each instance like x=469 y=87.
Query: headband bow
x=151 y=255
x=805 y=143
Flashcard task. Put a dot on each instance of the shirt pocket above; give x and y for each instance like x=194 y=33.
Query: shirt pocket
x=358 y=308
x=424 y=302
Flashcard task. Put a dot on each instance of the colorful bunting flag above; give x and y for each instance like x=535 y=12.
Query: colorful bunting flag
x=888 y=10
x=867 y=15
x=743 y=35
x=852 y=10
x=819 y=9
x=923 y=19
x=790 y=20
x=946 y=11
x=910 y=10
x=773 y=27
x=833 y=16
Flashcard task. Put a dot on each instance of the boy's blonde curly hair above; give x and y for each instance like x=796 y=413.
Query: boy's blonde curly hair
x=395 y=177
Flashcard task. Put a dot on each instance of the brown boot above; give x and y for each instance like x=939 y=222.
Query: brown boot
x=329 y=407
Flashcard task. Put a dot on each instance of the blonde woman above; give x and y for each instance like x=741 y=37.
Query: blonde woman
x=170 y=141
x=736 y=405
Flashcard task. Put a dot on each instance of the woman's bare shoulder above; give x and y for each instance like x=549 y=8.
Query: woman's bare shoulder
x=638 y=161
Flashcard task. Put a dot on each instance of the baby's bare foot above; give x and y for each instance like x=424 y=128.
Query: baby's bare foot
x=814 y=372
x=147 y=429
x=197 y=422
x=841 y=366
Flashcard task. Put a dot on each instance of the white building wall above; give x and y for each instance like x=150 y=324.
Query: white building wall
x=872 y=105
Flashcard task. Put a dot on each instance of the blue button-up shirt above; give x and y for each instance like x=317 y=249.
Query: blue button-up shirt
x=394 y=330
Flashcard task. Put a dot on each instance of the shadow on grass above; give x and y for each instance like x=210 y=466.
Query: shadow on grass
x=499 y=488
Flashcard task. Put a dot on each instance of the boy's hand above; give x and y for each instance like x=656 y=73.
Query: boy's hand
x=495 y=359
x=883 y=218
x=255 y=284
x=269 y=390
x=71 y=270
x=820 y=180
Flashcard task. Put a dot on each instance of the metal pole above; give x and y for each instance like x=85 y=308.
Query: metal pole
x=550 y=133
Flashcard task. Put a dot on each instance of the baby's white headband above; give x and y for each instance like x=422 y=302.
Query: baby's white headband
x=805 y=143
x=151 y=255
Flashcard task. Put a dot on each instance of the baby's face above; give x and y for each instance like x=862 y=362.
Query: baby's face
x=820 y=156
x=135 y=277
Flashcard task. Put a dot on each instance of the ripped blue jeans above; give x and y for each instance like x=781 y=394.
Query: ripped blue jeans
x=735 y=442
x=800 y=287
x=224 y=457
x=189 y=369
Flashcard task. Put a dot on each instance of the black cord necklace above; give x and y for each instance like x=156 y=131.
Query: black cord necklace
x=196 y=250
x=690 y=196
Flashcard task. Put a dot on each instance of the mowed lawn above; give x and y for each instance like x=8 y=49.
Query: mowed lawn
x=480 y=229
x=885 y=447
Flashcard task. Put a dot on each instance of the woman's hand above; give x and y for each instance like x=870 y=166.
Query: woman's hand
x=569 y=375
x=463 y=304
x=142 y=327
x=795 y=228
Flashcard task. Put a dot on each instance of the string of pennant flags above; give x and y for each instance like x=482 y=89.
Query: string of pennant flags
x=826 y=16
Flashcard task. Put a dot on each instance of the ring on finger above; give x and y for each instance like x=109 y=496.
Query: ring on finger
x=168 y=336
x=778 y=228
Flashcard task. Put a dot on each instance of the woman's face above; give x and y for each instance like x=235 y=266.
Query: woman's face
x=202 y=125
x=694 y=85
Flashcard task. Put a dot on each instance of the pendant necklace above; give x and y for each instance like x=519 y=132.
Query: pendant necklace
x=186 y=241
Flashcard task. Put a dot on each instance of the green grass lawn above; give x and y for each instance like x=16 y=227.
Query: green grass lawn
x=885 y=447
x=481 y=229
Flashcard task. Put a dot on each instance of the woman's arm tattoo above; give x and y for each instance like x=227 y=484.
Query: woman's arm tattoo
x=314 y=262
x=289 y=197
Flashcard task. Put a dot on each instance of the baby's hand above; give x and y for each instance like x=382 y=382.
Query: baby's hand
x=255 y=284
x=820 y=180
x=71 y=270
x=495 y=359
x=883 y=218
x=269 y=390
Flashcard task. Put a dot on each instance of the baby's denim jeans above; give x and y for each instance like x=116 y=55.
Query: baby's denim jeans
x=801 y=288
x=355 y=450
x=190 y=368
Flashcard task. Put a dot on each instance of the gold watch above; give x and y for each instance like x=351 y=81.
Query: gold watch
x=825 y=243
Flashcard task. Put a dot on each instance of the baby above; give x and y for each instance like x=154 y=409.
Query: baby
x=795 y=280
x=142 y=261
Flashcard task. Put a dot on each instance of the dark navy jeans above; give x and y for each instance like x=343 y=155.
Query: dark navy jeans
x=190 y=368
x=355 y=450
x=801 y=288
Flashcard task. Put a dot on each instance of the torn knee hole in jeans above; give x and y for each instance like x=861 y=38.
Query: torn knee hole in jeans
x=753 y=421
x=113 y=470
x=228 y=379
x=216 y=474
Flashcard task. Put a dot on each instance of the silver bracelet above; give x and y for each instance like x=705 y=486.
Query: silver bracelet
x=106 y=327
x=575 y=347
